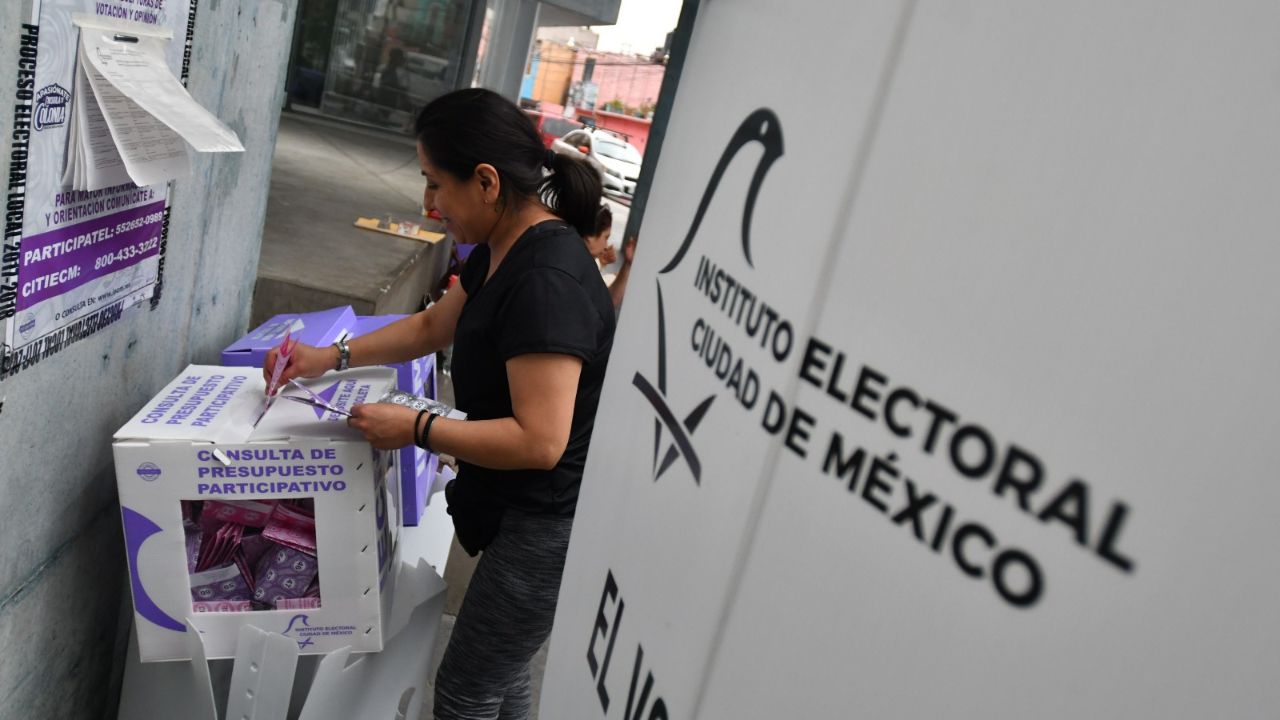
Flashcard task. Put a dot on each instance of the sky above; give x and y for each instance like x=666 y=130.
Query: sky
x=642 y=26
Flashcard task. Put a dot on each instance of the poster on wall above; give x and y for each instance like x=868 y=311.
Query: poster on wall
x=950 y=393
x=74 y=261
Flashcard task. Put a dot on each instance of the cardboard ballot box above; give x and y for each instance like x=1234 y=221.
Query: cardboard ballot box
x=417 y=467
x=289 y=526
x=316 y=328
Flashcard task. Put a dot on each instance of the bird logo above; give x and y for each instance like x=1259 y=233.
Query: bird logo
x=303 y=622
x=761 y=126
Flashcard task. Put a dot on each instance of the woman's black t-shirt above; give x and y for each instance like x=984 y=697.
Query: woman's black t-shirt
x=546 y=297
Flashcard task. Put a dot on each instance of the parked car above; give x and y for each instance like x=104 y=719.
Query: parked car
x=617 y=160
x=552 y=127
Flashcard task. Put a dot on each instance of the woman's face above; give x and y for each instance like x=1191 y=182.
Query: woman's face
x=597 y=243
x=461 y=203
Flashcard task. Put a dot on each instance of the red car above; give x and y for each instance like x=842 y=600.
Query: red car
x=551 y=127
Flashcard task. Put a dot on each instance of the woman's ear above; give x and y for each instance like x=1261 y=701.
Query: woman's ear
x=490 y=184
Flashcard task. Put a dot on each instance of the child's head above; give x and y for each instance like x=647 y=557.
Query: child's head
x=599 y=240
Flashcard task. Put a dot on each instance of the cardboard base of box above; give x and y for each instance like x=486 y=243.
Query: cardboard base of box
x=433 y=536
x=268 y=679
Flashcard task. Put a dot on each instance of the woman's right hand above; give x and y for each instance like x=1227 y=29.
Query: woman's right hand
x=608 y=256
x=307 y=361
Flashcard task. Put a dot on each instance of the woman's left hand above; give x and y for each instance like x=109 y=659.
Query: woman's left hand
x=629 y=250
x=385 y=425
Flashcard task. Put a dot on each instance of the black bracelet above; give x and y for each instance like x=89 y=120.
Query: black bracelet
x=418 y=439
x=426 y=432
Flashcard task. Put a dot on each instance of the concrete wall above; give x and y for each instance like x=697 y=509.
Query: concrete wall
x=61 y=563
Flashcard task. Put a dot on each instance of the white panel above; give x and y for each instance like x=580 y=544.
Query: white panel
x=670 y=542
x=1066 y=236
x=389 y=684
x=262 y=678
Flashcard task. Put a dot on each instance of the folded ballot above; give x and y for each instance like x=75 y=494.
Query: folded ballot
x=131 y=119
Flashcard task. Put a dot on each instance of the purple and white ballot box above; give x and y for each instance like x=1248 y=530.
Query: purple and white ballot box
x=286 y=521
x=315 y=328
x=417 y=467
x=416 y=376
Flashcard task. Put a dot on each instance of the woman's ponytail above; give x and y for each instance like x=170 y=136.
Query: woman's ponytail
x=464 y=128
x=573 y=191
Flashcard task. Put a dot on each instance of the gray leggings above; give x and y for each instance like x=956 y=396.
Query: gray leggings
x=505 y=618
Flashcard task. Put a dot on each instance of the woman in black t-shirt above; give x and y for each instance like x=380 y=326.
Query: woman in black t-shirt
x=531 y=324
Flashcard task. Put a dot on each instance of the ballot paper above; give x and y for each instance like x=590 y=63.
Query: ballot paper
x=409 y=400
x=396 y=397
x=310 y=398
x=132 y=120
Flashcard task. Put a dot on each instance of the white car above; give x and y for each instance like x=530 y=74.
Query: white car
x=617 y=160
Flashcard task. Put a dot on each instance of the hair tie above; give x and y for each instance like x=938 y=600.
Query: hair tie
x=549 y=159
x=417 y=431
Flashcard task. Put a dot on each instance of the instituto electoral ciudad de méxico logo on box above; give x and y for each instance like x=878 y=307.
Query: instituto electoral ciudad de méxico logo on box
x=52 y=102
x=761 y=126
x=148 y=471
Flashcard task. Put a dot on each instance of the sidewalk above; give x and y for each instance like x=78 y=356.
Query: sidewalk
x=324 y=176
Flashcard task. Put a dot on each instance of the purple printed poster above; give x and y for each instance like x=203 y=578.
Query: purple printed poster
x=74 y=261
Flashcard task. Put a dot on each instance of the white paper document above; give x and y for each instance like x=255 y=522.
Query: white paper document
x=89 y=137
x=150 y=152
x=132 y=119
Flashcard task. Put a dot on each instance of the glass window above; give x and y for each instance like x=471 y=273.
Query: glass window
x=390 y=57
x=310 y=59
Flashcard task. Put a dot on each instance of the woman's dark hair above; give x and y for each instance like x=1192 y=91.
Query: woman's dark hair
x=466 y=128
x=604 y=219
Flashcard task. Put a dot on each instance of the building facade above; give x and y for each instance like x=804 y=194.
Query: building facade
x=375 y=62
x=614 y=91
